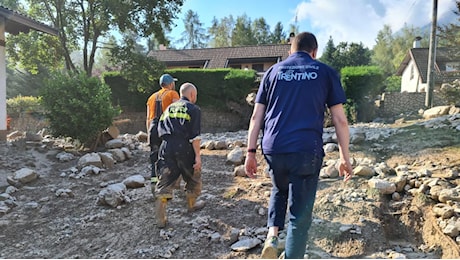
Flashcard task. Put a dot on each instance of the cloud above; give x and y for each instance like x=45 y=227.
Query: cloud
x=360 y=20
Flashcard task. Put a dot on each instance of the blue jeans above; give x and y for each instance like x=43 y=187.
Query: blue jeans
x=295 y=180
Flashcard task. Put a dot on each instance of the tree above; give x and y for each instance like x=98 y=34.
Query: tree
x=346 y=55
x=85 y=22
x=242 y=33
x=278 y=35
x=261 y=31
x=220 y=32
x=328 y=53
x=136 y=67
x=403 y=41
x=194 y=35
x=449 y=35
x=383 y=51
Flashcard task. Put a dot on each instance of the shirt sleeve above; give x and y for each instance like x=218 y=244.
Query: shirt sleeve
x=336 y=94
x=195 y=122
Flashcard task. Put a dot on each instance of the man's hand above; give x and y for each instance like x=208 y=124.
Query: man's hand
x=197 y=165
x=250 y=165
x=345 y=170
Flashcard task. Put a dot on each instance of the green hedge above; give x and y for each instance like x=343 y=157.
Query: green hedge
x=216 y=87
x=362 y=84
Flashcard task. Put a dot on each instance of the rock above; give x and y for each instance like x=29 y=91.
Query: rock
x=434 y=192
x=357 y=137
x=64 y=193
x=90 y=159
x=135 y=181
x=113 y=131
x=90 y=169
x=444 y=211
x=331 y=147
x=362 y=170
x=113 y=195
x=142 y=136
x=220 y=145
x=114 y=143
x=383 y=186
x=436 y=112
x=209 y=145
x=118 y=154
x=65 y=157
x=449 y=194
x=236 y=156
x=107 y=160
x=329 y=171
x=25 y=175
x=245 y=245
x=451 y=230
x=400 y=182
x=239 y=171
x=127 y=152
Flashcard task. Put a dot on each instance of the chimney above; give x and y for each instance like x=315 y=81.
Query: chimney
x=417 y=42
x=291 y=37
x=162 y=47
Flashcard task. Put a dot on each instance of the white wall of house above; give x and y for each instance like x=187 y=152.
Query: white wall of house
x=411 y=81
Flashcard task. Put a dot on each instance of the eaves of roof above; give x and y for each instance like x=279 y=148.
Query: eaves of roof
x=16 y=23
x=420 y=58
x=218 y=57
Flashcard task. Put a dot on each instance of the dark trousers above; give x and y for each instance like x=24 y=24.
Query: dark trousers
x=154 y=143
x=176 y=158
x=295 y=179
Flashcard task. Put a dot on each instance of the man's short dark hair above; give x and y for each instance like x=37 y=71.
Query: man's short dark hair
x=305 y=41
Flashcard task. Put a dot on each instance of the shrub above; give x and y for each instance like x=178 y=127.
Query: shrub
x=362 y=84
x=20 y=105
x=77 y=106
x=392 y=84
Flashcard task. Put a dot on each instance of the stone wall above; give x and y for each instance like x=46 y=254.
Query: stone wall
x=393 y=104
x=211 y=121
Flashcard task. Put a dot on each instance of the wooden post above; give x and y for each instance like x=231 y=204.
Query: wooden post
x=2 y=81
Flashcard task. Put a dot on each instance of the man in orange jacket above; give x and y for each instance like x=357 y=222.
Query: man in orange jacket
x=156 y=104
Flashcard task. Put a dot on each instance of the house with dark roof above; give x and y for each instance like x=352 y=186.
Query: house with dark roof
x=258 y=58
x=414 y=68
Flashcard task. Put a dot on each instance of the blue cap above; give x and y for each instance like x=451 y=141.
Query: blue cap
x=166 y=79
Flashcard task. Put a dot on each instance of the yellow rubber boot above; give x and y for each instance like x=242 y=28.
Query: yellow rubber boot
x=160 y=212
x=193 y=204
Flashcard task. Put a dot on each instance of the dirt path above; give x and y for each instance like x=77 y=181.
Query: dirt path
x=348 y=221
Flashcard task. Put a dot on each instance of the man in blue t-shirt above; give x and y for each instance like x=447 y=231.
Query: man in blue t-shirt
x=290 y=107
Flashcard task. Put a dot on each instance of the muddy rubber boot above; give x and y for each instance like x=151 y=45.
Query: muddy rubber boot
x=160 y=212
x=193 y=204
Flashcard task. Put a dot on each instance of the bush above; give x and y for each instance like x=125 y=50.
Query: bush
x=17 y=106
x=392 y=84
x=362 y=84
x=77 y=106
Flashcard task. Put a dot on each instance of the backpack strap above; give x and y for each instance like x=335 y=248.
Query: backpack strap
x=159 y=104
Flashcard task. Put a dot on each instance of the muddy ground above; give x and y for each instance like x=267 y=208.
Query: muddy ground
x=43 y=225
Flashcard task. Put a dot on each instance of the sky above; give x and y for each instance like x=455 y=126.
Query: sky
x=355 y=21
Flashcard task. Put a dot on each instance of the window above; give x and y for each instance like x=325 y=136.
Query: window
x=258 y=67
x=452 y=66
x=235 y=66
x=412 y=71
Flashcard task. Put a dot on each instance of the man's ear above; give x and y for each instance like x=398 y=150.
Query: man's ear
x=314 y=53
